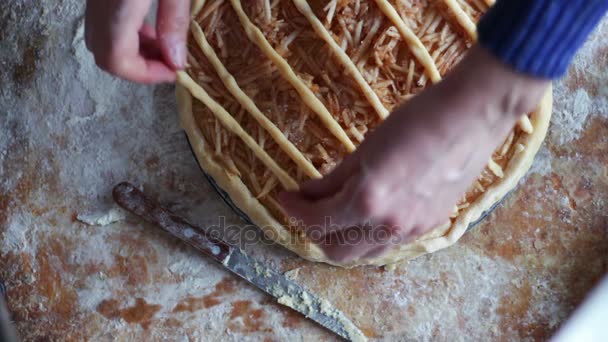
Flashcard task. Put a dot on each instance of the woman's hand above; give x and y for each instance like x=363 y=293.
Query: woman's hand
x=409 y=173
x=125 y=46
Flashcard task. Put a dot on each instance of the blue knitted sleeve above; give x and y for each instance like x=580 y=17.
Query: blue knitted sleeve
x=539 y=37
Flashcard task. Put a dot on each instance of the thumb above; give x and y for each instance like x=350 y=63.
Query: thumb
x=332 y=182
x=172 y=22
x=332 y=212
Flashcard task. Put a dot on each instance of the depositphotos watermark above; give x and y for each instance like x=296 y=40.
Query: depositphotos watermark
x=327 y=233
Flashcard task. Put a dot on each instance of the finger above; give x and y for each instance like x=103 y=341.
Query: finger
x=133 y=63
x=344 y=246
x=327 y=214
x=172 y=24
x=332 y=182
x=88 y=26
x=358 y=243
x=116 y=41
x=148 y=31
x=149 y=48
x=318 y=201
x=147 y=71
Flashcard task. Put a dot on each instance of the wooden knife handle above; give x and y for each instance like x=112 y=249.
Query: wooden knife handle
x=132 y=199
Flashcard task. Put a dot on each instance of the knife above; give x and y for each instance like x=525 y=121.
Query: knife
x=286 y=291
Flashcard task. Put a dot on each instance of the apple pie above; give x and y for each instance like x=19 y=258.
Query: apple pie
x=278 y=92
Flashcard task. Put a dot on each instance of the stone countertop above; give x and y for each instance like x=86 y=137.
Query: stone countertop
x=70 y=132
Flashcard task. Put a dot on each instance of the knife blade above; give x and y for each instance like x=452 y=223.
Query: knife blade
x=286 y=291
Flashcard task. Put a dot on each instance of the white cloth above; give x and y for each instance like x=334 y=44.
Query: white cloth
x=589 y=323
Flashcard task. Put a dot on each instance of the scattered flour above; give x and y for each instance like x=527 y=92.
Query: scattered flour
x=571 y=118
x=570 y=111
x=293 y=273
x=15 y=236
x=102 y=218
x=542 y=162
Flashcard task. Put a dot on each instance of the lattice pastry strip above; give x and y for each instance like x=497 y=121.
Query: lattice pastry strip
x=256 y=36
x=247 y=103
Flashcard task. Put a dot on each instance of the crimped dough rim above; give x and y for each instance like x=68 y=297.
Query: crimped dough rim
x=516 y=168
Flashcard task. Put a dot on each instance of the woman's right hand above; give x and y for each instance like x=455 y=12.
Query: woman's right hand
x=408 y=174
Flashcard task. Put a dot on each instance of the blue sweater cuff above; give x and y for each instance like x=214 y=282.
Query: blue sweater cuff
x=539 y=37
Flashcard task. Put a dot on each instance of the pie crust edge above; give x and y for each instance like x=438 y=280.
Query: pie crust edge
x=517 y=166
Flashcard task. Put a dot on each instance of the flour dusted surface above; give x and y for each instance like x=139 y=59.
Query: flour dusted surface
x=71 y=132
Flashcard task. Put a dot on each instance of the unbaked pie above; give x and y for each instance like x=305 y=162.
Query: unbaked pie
x=277 y=92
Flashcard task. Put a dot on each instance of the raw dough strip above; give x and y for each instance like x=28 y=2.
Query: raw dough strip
x=413 y=42
x=480 y=5
x=348 y=64
x=308 y=97
x=233 y=126
x=196 y=6
x=525 y=124
x=462 y=18
x=495 y=168
x=250 y=106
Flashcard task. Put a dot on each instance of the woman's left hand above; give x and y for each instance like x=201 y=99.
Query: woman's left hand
x=125 y=46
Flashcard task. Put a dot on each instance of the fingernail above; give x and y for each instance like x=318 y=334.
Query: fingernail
x=177 y=53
